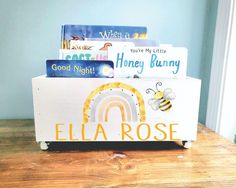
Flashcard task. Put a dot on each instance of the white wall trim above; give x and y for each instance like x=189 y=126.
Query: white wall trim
x=219 y=63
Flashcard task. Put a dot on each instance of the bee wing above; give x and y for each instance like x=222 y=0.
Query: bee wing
x=154 y=103
x=169 y=94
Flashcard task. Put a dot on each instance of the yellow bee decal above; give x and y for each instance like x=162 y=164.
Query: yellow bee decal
x=161 y=99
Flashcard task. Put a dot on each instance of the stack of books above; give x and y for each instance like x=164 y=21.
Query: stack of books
x=95 y=51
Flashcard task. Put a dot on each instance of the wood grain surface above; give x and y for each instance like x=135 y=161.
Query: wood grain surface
x=211 y=162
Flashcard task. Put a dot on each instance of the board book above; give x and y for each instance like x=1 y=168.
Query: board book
x=79 y=68
x=149 y=62
x=82 y=54
x=81 y=32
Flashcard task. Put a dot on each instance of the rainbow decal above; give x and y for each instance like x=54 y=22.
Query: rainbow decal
x=126 y=98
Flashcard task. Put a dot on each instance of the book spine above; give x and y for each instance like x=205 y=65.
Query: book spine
x=62 y=36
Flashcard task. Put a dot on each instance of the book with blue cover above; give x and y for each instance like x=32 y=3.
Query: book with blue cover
x=80 y=68
x=81 y=32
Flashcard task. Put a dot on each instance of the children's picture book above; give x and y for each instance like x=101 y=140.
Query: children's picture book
x=81 y=32
x=83 y=54
x=97 y=45
x=136 y=42
x=149 y=62
x=79 y=68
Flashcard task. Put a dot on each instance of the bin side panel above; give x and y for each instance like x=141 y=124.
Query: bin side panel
x=76 y=109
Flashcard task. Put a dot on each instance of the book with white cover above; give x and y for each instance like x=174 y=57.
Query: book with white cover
x=149 y=62
x=97 y=45
x=82 y=54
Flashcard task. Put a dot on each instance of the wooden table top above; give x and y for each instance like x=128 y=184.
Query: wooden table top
x=211 y=162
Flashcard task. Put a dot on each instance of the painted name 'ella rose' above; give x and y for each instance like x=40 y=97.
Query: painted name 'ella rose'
x=126 y=132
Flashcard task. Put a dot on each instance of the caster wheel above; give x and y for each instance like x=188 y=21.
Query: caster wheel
x=187 y=144
x=44 y=146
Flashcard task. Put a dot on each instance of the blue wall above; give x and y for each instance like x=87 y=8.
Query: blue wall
x=30 y=34
x=206 y=57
